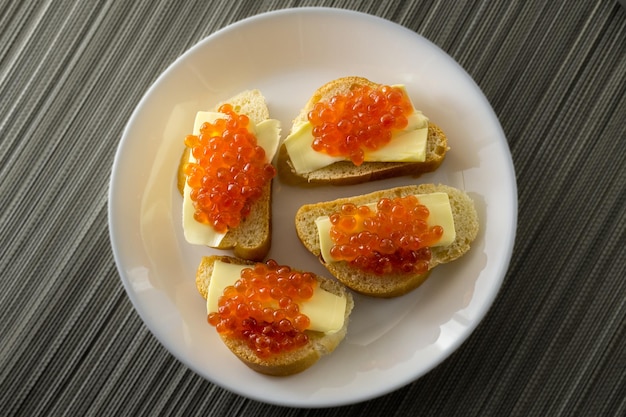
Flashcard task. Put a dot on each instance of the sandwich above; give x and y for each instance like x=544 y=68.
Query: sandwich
x=353 y=130
x=225 y=176
x=277 y=320
x=386 y=243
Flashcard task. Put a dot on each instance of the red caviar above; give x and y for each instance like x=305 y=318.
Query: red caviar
x=362 y=119
x=262 y=308
x=394 y=238
x=230 y=171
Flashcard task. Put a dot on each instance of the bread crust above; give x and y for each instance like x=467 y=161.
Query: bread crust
x=252 y=238
x=291 y=362
x=392 y=285
x=345 y=172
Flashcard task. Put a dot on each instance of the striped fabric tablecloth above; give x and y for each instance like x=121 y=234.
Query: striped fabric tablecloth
x=554 y=342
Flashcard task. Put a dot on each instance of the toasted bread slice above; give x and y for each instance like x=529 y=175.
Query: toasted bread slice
x=345 y=172
x=466 y=226
x=285 y=363
x=252 y=238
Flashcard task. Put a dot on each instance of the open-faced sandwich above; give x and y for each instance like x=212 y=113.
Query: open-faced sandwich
x=385 y=243
x=353 y=130
x=275 y=319
x=225 y=176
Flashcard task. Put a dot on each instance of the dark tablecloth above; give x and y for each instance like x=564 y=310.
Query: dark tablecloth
x=554 y=341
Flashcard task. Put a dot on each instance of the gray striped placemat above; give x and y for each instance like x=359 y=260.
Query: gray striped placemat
x=554 y=343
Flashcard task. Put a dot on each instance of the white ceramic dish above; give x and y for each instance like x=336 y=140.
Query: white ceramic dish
x=287 y=55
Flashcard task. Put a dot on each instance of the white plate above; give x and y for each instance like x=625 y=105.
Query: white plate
x=287 y=55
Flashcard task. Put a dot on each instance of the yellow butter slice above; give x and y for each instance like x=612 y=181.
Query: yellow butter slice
x=325 y=310
x=438 y=205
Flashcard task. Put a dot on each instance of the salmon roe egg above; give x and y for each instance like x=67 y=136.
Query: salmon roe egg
x=393 y=238
x=362 y=119
x=262 y=308
x=229 y=172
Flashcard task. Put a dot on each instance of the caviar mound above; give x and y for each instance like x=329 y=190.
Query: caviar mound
x=391 y=284
x=229 y=172
x=363 y=118
x=289 y=362
x=346 y=172
x=393 y=239
x=262 y=309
